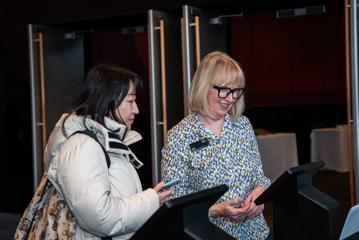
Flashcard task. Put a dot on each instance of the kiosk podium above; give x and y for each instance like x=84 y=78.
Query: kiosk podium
x=184 y=218
x=300 y=211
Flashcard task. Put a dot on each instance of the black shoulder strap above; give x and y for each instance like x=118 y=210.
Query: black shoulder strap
x=93 y=136
x=108 y=161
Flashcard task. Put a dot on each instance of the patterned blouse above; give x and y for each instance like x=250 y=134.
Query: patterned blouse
x=231 y=158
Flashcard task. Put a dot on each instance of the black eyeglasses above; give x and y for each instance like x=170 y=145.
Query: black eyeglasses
x=223 y=92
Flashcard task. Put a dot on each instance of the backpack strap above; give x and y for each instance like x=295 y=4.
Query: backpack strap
x=93 y=136
x=108 y=161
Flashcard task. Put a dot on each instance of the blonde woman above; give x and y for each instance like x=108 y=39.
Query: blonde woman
x=215 y=145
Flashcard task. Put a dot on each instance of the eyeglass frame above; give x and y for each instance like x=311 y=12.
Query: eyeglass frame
x=231 y=90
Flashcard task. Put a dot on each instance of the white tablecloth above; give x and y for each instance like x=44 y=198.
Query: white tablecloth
x=278 y=153
x=330 y=145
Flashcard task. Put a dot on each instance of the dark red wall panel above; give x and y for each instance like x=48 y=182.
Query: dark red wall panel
x=241 y=47
x=262 y=52
x=281 y=54
x=126 y=50
x=299 y=54
x=315 y=49
x=294 y=60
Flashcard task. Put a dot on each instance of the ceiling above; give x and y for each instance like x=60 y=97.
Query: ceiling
x=49 y=11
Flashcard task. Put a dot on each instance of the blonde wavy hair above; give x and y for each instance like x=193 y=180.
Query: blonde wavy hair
x=216 y=67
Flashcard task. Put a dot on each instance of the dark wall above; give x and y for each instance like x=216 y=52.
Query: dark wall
x=129 y=51
x=293 y=60
x=295 y=71
x=15 y=137
x=46 y=12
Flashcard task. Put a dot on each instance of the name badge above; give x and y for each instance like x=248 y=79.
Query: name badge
x=199 y=144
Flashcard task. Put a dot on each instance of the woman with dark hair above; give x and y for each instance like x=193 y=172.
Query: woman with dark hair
x=104 y=201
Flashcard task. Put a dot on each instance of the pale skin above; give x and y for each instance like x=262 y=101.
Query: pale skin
x=128 y=110
x=234 y=209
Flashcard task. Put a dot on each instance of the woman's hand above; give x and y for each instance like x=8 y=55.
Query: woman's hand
x=233 y=209
x=253 y=209
x=163 y=194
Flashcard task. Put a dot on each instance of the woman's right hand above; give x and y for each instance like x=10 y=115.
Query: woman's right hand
x=233 y=209
x=163 y=194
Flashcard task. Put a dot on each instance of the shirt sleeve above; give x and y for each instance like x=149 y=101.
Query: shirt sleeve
x=80 y=173
x=175 y=163
x=259 y=178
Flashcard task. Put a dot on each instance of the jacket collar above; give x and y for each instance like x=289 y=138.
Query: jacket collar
x=117 y=130
x=115 y=138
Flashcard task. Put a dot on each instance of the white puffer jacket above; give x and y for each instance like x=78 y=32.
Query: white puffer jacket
x=104 y=201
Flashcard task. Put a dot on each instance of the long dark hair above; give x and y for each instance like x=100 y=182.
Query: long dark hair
x=102 y=91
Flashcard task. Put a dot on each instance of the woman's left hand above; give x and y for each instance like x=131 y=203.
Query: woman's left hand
x=254 y=210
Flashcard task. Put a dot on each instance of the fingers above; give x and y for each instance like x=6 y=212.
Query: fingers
x=247 y=209
x=238 y=210
x=260 y=209
x=255 y=210
x=251 y=209
x=249 y=199
x=159 y=185
x=235 y=209
x=165 y=194
x=232 y=209
x=235 y=202
x=239 y=215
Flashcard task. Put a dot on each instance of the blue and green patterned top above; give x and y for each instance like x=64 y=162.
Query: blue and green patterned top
x=231 y=158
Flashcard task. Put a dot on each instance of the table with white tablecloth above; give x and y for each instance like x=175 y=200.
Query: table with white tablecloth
x=330 y=145
x=278 y=153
